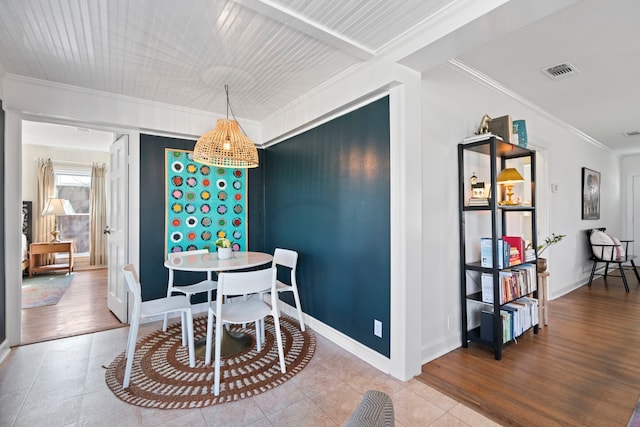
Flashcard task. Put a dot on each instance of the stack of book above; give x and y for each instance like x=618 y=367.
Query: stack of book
x=478 y=201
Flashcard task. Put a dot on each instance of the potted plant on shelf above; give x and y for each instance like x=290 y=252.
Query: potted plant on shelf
x=551 y=240
x=223 y=246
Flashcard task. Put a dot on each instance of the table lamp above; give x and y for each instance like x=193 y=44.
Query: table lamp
x=508 y=177
x=57 y=207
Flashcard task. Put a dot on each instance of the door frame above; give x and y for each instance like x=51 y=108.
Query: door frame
x=13 y=198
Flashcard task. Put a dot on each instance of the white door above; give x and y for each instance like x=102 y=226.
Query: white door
x=117 y=228
x=636 y=215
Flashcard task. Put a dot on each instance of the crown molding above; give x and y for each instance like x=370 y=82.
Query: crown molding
x=487 y=81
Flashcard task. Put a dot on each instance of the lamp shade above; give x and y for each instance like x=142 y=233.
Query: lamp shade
x=509 y=175
x=57 y=207
x=226 y=146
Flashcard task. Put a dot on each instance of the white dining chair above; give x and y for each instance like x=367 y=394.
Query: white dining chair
x=289 y=259
x=244 y=311
x=156 y=307
x=209 y=285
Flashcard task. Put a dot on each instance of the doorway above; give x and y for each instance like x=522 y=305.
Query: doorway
x=82 y=306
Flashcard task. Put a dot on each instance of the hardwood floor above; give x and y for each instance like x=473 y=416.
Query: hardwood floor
x=81 y=310
x=583 y=369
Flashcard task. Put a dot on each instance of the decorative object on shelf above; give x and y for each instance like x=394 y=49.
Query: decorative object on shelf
x=520 y=129
x=508 y=177
x=483 y=127
x=223 y=246
x=502 y=126
x=57 y=207
x=590 y=194
x=551 y=240
x=227 y=145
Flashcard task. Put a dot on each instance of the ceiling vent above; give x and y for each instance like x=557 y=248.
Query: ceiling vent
x=632 y=133
x=560 y=71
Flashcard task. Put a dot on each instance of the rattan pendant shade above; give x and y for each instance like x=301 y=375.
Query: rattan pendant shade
x=226 y=146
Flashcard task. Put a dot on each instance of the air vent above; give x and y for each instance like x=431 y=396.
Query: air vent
x=560 y=71
x=632 y=133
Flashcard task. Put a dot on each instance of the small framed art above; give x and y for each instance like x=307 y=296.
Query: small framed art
x=590 y=194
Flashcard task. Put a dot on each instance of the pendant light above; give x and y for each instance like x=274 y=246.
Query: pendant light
x=226 y=146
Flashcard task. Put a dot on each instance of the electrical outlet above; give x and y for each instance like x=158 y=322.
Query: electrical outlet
x=377 y=328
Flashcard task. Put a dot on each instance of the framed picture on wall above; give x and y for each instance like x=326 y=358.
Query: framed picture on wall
x=590 y=194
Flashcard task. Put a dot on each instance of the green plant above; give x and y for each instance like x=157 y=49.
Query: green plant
x=223 y=242
x=551 y=240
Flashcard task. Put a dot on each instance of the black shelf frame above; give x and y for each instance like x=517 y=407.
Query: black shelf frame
x=498 y=151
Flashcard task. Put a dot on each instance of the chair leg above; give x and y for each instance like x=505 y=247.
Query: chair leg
x=130 y=350
x=258 y=336
x=624 y=278
x=216 y=369
x=606 y=269
x=593 y=271
x=635 y=270
x=296 y=297
x=192 y=350
x=207 y=354
x=183 y=320
x=276 y=322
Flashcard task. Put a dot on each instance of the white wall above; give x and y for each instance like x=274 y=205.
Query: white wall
x=453 y=104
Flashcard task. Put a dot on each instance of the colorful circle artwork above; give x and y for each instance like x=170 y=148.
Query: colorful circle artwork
x=236 y=247
x=192 y=247
x=177 y=249
x=193 y=221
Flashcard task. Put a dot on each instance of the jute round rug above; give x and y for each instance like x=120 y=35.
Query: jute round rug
x=161 y=376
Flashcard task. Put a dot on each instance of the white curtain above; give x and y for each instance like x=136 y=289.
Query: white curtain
x=98 y=212
x=44 y=224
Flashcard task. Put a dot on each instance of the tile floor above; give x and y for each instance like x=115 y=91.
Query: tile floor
x=61 y=383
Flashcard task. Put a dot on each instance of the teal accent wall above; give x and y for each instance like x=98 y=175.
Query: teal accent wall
x=327 y=196
x=324 y=193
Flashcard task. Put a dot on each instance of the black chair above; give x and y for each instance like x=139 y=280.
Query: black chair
x=607 y=253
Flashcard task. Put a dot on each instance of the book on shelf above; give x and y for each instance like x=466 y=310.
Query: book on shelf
x=516 y=318
x=515 y=282
x=486 y=253
x=502 y=126
x=480 y=137
x=478 y=201
x=518 y=244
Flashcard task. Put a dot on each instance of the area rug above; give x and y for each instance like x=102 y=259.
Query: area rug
x=39 y=291
x=635 y=417
x=161 y=377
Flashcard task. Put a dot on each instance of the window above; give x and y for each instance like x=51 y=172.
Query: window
x=75 y=186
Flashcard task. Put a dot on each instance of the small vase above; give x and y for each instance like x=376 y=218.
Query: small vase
x=224 y=253
x=542 y=265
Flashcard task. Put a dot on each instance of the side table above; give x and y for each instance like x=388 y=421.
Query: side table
x=543 y=297
x=50 y=248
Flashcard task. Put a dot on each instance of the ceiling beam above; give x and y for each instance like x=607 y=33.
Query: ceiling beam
x=295 y=20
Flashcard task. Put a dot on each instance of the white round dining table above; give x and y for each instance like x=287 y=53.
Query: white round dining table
x=232 y=342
